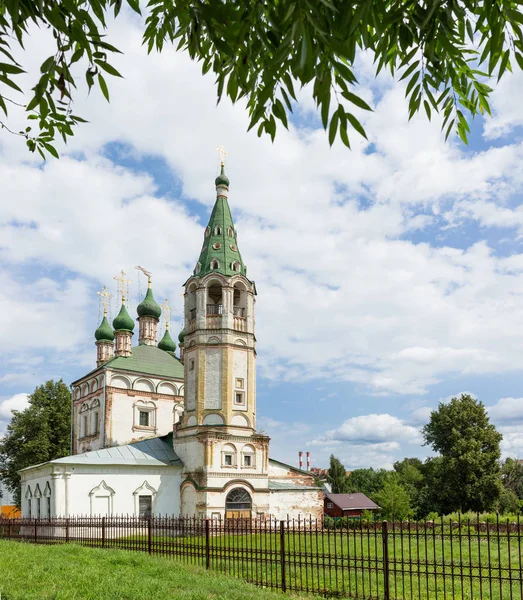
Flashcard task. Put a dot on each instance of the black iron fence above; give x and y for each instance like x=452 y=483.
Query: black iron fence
x=464 y=560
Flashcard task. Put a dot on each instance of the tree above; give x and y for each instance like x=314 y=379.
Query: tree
x=512 y=476
x=40 y=433
x=393 y=500
x=468 y=474
x=337 y=476
x=260 y=51
x=411 y=477
x=367 y=481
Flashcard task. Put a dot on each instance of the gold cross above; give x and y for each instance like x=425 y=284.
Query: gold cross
x=222 y=153
x=146 y=273
x=106 y=297
x=121 y=279
x=167 y=312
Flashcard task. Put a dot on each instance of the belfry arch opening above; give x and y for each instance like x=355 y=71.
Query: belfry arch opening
x=191 y=301
x=214 y=298
x=238 y=504
x=239 y=300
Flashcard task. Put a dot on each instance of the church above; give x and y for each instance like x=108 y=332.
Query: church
x=154 y=433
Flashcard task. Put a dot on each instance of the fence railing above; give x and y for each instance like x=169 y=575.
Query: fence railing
x=356 y=558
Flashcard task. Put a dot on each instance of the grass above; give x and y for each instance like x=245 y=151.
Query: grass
x=72 y=572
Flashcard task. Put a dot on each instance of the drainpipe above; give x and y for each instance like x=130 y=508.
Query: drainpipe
x=72 y=420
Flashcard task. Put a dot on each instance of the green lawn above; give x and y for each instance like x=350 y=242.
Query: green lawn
x=71 y=572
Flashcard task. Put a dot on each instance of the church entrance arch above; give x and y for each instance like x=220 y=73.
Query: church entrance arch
x=238 y=504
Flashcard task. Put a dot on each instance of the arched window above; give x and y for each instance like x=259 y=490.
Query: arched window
x=197 y=268
x=239 y=299
x=207 y=232
x=218 y=230
x=47 y=496
x=95 y=417
x=229 y=456
x=230 y=232
x=248 y=457
x=84 y=420
x=214 y=298
x=238 y=499
x=236 y=266
x=215 y=264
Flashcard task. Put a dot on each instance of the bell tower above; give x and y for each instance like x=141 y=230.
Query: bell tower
x=219 y=342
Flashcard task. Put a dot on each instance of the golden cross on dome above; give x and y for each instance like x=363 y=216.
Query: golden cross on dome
x=146 y=273
x=122 y=281
x=106 y=297
x=167 y=312
x=222 y=153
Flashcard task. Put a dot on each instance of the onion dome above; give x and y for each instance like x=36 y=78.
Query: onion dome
x=181 y=337
x=148 y=306
x=167 y=343
x=104 y=333
x=123 y=321
x=222 y=179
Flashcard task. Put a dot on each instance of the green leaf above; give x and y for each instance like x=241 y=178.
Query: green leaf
x=356 y=100
x=47 y=64
x=135 y=5
x=13 y=69
x=3 y=106
x=103 y=86
x=10 y=83
x=357 y=125
x=333 y=127
x=107 y=68
x=50 y=149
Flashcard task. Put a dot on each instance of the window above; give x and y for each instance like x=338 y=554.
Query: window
x=144 y=418
x=247 y=460
x=198 y=268
x=145 y=506
x=230 y=232
x=85 y=426
x=191 y=364
x=248 y=457
x=207 y=232
x=215 y=264
x=218 y=230
x=227 y=460
x=216 y=245
x=29 y=509
x=238 y=398
x=38 y=508
x=330 y=505
x=48 y=506
x=239 y=383
x=96 y=423
x=236 y=266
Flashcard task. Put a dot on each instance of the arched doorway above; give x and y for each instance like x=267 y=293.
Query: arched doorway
x=238 y=504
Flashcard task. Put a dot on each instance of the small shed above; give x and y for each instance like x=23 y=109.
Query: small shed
x=347 y=505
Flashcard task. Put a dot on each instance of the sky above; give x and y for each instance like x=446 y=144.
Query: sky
x=389 y=276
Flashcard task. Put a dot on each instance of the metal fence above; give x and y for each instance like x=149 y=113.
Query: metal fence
x=464 y=560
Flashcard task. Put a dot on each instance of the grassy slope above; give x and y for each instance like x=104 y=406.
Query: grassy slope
x=72 y=572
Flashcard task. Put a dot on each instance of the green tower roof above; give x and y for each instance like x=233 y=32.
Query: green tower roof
x=148 y=307
x=220 y=252
x=123 y=320
x=167 y=343
x=104 y=333
x=181 y=336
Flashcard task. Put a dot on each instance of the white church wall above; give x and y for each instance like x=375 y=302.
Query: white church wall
x=105 y=491
x=213 y=378
x=295 y=503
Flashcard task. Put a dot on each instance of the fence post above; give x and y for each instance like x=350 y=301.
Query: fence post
x=207 y=545
x=103 y=532
x=150 y=535
x=66 y=530
x=10 y=525
x=36 y=531
x=282 y=557
x=386 y=574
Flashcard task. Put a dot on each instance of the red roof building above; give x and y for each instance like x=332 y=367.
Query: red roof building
x=347 y=505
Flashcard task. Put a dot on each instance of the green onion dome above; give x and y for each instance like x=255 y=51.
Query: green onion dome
x=104 y=333
x=167 y=343
x=222 y=179
x=148 y=306
x=181 y=337
x=123 y=320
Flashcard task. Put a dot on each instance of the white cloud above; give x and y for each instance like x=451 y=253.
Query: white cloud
x=506 y=410
x=7 y=405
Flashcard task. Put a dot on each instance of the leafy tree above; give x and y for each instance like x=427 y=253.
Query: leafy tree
x=410 y=473
x=37 y=434
x=512 y=476
x=367 y=481
x=468 y=475
x=393 y=500
x=260 y=51
x=337 y=476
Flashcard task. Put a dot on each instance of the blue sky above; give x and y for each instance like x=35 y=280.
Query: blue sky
x=390 y=277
